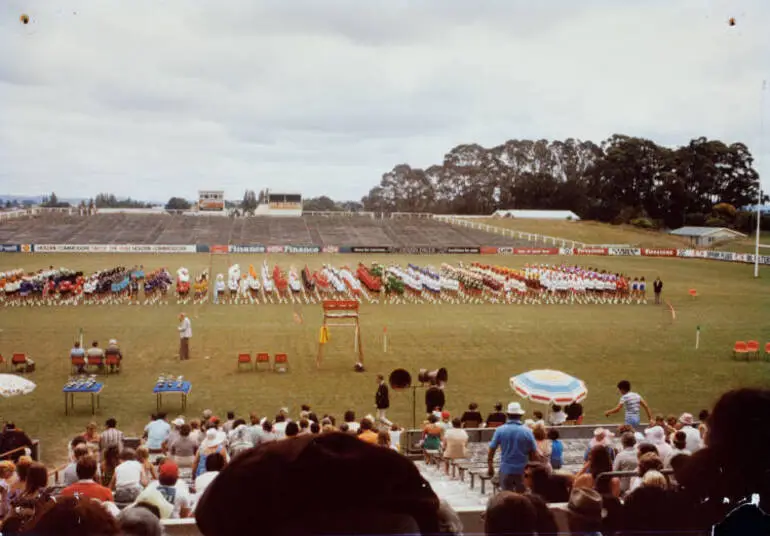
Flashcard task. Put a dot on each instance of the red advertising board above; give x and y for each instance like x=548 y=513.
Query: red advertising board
x=220 y=249
x=488 y=250
x=590 y=251
x=659 y=252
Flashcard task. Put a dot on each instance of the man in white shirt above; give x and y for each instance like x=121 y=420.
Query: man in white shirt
x=157 y=432
x=185 y=333
x=279 y=426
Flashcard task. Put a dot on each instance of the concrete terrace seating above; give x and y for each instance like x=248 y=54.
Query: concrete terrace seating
x=123 y=228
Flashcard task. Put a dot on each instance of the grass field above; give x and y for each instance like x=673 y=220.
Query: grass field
x=480 y=345
x=591 y=232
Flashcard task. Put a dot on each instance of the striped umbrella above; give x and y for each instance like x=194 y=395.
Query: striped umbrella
x=12 y=385
x=549 y=387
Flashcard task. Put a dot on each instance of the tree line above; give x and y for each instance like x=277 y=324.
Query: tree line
x=623 y=179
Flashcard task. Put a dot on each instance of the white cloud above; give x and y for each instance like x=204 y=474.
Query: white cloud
x=152 y=99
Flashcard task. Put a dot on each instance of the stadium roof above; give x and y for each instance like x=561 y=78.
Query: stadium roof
x=703 y=231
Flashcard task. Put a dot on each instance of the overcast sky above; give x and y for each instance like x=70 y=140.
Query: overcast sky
x=153 y=98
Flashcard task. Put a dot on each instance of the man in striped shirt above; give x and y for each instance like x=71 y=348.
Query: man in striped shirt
x=632 y=402
x=111 y=437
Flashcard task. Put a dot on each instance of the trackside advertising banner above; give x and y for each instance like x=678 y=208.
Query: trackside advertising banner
x=527 y=251
x=660 y=252
x=112 y=248
x=10 y=248
x=625 y=252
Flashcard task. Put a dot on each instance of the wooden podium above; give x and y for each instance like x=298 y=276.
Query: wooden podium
x=340 y=314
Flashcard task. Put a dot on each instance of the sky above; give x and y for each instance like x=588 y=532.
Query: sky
x=159 y=98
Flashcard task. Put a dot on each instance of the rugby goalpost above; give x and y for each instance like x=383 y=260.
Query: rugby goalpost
x=340 y=314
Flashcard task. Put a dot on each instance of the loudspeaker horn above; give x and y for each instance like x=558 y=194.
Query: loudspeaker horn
x=400 y=379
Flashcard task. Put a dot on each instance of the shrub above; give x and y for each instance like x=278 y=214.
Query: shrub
x=712 y=221
x=725 y=211
x=642 y=223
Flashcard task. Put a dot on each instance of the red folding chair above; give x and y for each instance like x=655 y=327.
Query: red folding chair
x=95 y=361
x=78 y=363
x=19 y=362
x=281 y=361
x=752 y=347
x=740 y=349
x=2 y=361
x=262 y=358
x=244 y=359
x=767 y=352
x=113 y=362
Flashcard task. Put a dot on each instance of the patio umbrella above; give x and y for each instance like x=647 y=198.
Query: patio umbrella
x=12 y=385
x=549 y=387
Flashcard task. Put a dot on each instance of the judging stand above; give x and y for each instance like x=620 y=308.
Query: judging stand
x=182 y=388
x=74 y=387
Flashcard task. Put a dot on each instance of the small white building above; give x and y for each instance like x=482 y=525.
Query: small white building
x=706 y=236
x=537 y=214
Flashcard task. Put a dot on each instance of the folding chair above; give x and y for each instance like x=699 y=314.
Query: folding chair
x=281 y=359
x=113 y=361
x=767 y=352
x=3 y=362
x=262 y=358
x=752 y=347
x=93 y=361
x=244 y=359
x=19 y=360
x=740 y=349
x=78 y=363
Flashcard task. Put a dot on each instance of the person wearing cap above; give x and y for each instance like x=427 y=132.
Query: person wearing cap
x=172 y=490
x=185 y=333
x=518 y=447
x=445 y=422
x=114 y=350
x=687 y=425
x=213 y=442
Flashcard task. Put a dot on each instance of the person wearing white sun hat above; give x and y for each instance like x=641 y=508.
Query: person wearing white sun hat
x=518 y=446
x=213 y=442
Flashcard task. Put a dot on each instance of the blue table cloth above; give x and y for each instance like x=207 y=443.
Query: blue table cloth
x=173 y=388
x=71 y=390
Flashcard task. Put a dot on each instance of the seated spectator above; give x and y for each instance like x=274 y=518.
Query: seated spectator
x=25 y=504
x=686 y=426
x=148 y=469
x=623 y=428
x=647 y=510
x=77 y=440
x=432 y=436
x=78 y=352
x=156 y=433
x=329 y=466
x=395 y=437
x=95 y=355
x=327 y=425
x=229 y=424
x=559 y=487
x=173 y=433
x=455 y=441
x=599 y=462
x=557 y=416
x=366 y=432
x=92 y=437
x=541 y=440
x=279 y=426
x=266 y=435
x=497 y=417
x=536 y=476
x=601 y=437
x=345 y=429
x=291 y=430
x=678 y=465
x=315 y=428
x=14 y=439
x=86 y=485
x=7 y=472
x=538 y=419
x=654 y=479
x=626 y=459
x=584 y=512
x=114 y=350
x=19 y=485
x=128 y=478
x=139 y=521
x=574 y=413
x=645 y=448
x=472 y=418
x=239 y=439
x=445 y=422
x=510 y=513
x=73 y=516
x=546 y=523
x=679 y=447
x=70 y=475
x=647 y=462
x=196 y=434
x=703 y=417
x=657 y=436
x=177 y=496
x=214 y=464
x=350 y=420
x=213 y=443
x=304 y=426
x=557 y=449
x=383 y=439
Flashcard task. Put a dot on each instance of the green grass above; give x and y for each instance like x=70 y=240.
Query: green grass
x=591 y=232
x=482 y=346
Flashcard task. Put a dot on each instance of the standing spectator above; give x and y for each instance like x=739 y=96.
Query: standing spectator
x=455 y=442
x=85 y=484
x=434 y=399
x=382 y=400
x=111 y=437
x=70 y=475
x=632 y=402
x=497 y=417
x=693 y=438
x=114 y=350
x=541 y=440
x=14 y=439
x=110 y=461
x=395 y=436
x=157 y=432
x=657 y=287
x=185 y=333
x=557 y=449
x=279 y=426
x=95 y=355
x=472 y=418
x=128 y=478
x=518 y=446
x=78 y=352
x=557 y=416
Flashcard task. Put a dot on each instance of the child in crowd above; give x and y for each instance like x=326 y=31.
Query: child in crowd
x=557 y=449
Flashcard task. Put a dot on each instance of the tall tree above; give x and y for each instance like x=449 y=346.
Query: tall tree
x=249 y=203
x=178 y=203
